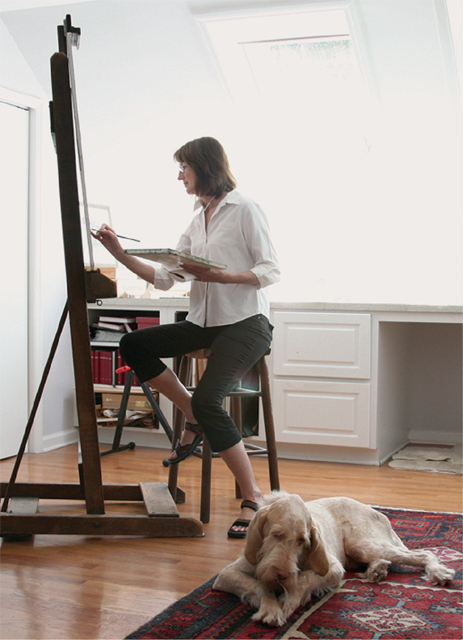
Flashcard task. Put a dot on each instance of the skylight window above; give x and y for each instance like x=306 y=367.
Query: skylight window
x=308 y=69
x=296 y=72
x=296 y=52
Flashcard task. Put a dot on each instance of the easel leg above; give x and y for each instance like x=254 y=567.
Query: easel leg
x=35 y=406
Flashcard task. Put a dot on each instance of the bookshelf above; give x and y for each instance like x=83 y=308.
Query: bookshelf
x=109 y=385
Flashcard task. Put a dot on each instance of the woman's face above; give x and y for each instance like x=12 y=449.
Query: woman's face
x=188 y=176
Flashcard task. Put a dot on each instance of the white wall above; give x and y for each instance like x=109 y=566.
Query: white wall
x=47 y=285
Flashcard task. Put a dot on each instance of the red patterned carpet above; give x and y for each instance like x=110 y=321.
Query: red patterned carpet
x=405 y=606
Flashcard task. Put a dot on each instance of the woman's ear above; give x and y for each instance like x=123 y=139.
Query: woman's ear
x=254 y=536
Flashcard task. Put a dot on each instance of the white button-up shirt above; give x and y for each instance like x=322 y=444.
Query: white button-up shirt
x=238 y=236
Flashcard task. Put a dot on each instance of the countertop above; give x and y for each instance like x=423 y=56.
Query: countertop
x=183 y=302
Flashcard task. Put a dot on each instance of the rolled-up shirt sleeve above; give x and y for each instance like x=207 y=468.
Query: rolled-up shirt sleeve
x=257 y=235
x=162 y=278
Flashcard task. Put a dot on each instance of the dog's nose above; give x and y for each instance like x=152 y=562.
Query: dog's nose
x=282 y=575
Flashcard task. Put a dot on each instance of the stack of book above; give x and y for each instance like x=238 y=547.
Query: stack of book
x=111 y=328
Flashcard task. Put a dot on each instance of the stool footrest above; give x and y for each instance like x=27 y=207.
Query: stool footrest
x=245 y=393
x=239 y=393
x=253 y=450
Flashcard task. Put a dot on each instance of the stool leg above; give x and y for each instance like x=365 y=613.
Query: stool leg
x=269 y=426
x=206 y=472
x=236 y=415
x=175 y=491
x=183 y=374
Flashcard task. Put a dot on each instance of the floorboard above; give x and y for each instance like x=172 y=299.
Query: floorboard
x=63 y=587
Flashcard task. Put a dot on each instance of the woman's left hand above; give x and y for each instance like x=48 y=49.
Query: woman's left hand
x=207 y=274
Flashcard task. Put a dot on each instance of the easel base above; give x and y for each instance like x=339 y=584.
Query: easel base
x=162 y=519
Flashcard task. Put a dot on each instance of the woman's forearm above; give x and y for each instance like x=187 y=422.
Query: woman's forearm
x=109 y=240
x=240 y=277
x=206 y=274
x=140 y=268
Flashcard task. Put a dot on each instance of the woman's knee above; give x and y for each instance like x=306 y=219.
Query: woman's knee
x=129 y=346
x=204 y=406
x=126 y=346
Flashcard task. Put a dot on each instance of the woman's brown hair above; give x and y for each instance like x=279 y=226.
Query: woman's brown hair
x=208 y=159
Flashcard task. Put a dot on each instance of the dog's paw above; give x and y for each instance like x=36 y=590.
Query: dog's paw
x=289 y=604
x=270 y=613
x=440 y=574
x=252 y=599
x=376 y=571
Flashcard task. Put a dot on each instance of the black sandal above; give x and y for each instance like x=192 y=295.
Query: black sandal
x=183 y=451
x=249 y=504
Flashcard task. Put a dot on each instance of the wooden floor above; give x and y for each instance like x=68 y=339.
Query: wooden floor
x=63 y=587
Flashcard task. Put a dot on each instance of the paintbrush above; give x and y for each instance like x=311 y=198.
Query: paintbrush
x=124 y=237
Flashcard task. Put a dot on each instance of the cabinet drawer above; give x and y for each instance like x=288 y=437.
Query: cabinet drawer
x=322 y=412
x=333 y=345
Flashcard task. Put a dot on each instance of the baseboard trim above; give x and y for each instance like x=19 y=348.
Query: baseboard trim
x=434 y=437
x=60 y=439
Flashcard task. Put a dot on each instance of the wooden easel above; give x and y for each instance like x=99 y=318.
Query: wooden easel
x=19 y=514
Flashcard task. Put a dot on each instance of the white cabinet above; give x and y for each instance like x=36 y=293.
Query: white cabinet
x=322 y=412
x=322 y=344
x=321 y=369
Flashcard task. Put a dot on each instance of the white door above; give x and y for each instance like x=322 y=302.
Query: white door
x=14 y=134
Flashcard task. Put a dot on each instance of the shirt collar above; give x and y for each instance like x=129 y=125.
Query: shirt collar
x=231 y=197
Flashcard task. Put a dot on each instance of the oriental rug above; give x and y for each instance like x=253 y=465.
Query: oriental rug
x=404 y=606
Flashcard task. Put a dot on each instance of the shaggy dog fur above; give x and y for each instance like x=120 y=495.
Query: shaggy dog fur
x=294 y=549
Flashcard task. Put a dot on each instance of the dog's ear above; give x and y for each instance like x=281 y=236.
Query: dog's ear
x=315 y=557
x=254 y=536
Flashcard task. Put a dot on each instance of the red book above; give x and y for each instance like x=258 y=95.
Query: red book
x=96 y=366
x=106 y=367
x=120 y=363
x=146 y=321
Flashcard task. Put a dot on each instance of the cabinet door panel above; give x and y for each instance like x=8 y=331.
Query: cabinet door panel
x=322 y=412
x=335 y=345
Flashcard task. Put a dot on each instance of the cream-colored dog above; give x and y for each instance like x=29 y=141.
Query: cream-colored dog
x=294 y=549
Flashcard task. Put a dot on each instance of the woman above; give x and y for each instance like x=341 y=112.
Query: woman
x=228 y=311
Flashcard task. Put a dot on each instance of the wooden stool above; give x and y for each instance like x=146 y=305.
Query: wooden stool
x=191 y=368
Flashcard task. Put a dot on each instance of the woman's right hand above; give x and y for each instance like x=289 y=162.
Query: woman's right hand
x=109 y=240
